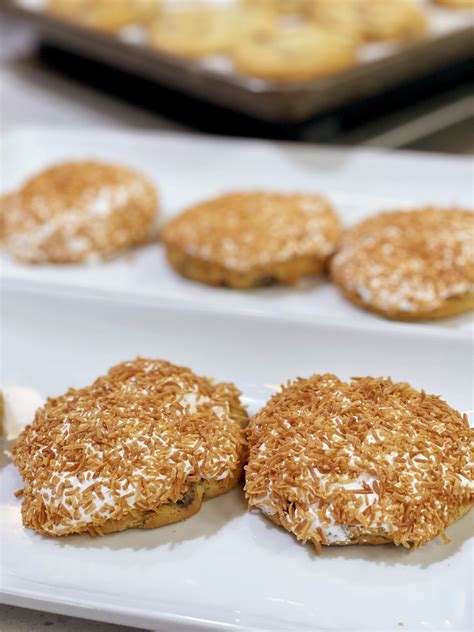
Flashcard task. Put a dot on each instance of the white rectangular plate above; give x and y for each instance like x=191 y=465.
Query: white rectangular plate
x=226 y=569
x=187 y=169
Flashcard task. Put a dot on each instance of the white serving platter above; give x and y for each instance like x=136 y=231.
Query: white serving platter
x=187 y=169
x=227 y=569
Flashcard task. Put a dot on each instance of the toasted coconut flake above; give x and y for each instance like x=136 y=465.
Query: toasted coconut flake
x=408 y=261
x=79 y=211
x=244 y=230
x=332 y=461
x=135 y=439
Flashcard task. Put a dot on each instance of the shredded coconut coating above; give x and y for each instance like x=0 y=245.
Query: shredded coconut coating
x=134 y=440
x=74 y=212
x=7 y=202
x=242 y=231
x=329 y=459
x=408 y=261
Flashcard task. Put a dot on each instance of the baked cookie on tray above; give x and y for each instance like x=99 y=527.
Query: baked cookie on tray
x=456 y=4
x=392 y=20
x=104 y=15
x=368 y=461
x=192 y=31
x=247 y=239
x=198 y=31
x=341 y=16
x=409 y=265
x=141 y=447
x=301 y=53
x=375 y=20
x=78 y=211
x=282 y=6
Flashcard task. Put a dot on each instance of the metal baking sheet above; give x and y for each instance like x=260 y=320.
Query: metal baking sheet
x=382 y=65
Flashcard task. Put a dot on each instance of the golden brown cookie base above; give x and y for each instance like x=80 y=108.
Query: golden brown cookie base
x=332 y=55
x=188 y=506
x=287 y=272
x=375 y=537
x=450 y=307
x=166 y=514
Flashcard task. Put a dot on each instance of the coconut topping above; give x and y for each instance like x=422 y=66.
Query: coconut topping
x=245 y=230
x=78 y=211
x=132 y=441
x=408 y=260
x=330 y=459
